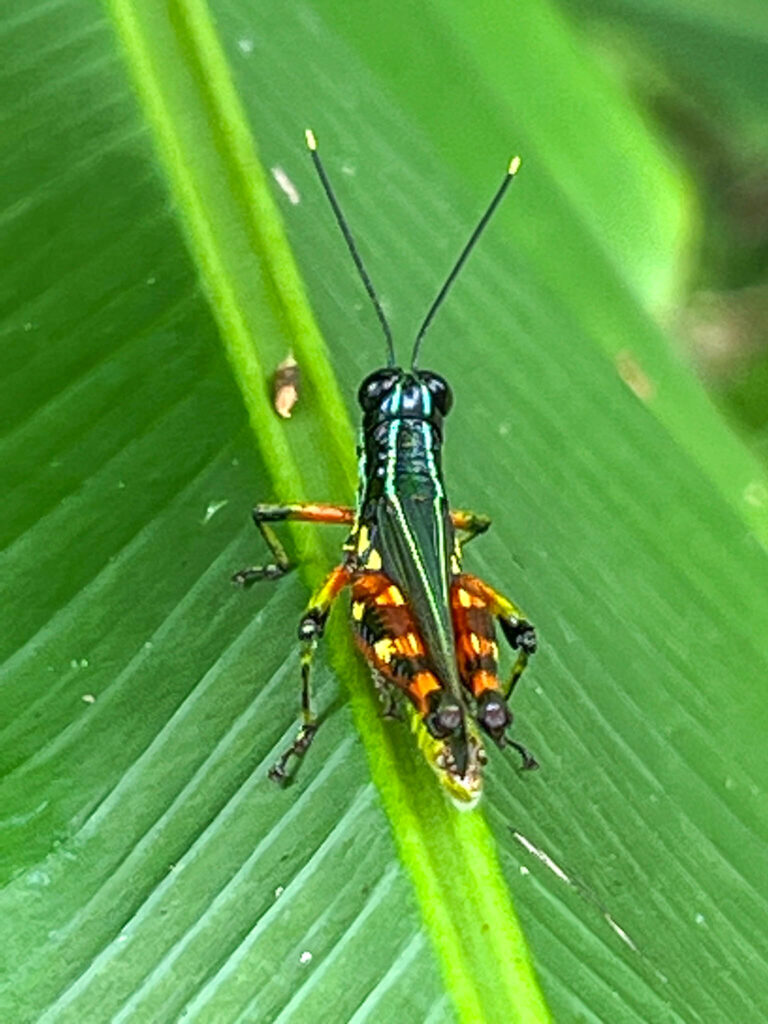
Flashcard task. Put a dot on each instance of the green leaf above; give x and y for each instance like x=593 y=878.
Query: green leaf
x=715 y=54
x=150 y=870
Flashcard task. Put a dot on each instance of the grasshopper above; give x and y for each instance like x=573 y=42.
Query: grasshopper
x=423 y=624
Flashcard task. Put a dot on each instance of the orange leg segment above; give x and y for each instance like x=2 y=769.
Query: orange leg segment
x=341 y=515
x=389 y=638
x=516 y=628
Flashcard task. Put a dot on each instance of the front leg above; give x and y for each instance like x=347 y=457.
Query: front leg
x=306 y=513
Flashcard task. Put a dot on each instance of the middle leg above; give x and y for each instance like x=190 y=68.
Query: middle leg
x=471 y=523
x=311 y=629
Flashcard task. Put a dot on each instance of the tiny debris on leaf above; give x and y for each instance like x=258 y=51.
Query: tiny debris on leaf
x=286 y=185
x=285 y=389
x=213 y=508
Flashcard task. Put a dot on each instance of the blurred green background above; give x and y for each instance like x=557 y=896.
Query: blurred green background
x=697 y=70
x=164 y=240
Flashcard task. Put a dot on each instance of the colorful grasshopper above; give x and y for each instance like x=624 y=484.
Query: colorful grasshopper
x=425 y=627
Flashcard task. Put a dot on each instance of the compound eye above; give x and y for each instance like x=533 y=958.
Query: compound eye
x=375 y=387
x=440 y=390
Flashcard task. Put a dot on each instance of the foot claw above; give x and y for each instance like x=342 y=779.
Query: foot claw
x=529 y=761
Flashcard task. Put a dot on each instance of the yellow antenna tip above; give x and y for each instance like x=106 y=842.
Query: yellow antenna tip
x=514 y=165
x=309 y=135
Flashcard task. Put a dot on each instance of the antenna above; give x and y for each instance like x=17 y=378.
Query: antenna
x=312 y=146
x=514 y=167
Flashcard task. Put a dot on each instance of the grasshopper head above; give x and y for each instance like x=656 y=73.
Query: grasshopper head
x=392 y=393
x=458 y=761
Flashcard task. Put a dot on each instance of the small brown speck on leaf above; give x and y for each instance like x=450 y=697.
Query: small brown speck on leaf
x=285 y=389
